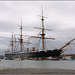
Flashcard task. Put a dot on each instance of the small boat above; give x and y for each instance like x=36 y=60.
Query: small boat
x=68 y=58
x=52 y=58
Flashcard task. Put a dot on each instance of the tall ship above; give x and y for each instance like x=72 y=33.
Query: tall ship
x=34 y=54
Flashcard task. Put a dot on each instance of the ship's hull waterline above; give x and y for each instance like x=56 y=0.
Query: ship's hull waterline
x=38 y=54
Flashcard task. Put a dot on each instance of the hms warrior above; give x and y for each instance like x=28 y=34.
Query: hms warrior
x=33 y=54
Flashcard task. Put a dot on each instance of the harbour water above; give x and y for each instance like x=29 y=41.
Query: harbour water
x=45 y=64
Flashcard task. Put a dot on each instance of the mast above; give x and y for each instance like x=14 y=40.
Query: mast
x=42 y=31
x=43 y=34
x=12 y=42
x=21 y=40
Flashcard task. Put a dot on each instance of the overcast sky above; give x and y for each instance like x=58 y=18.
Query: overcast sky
x=60 y=19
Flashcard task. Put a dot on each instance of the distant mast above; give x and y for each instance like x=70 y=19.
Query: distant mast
x=12 y=42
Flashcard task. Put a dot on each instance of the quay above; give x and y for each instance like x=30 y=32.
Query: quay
x=36 y=71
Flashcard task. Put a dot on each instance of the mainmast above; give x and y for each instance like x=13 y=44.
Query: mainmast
x=43 y=34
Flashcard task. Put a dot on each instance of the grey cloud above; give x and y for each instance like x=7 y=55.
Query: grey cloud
x=61 y=16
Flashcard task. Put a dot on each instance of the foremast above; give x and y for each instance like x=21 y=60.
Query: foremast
x=20 y=40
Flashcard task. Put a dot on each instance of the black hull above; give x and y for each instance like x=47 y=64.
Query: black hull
x=38 y=54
